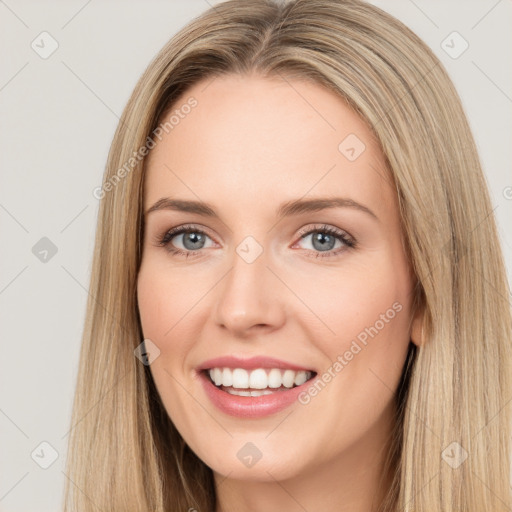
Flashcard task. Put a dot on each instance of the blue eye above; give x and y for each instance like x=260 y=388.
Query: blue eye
x=195 y=242
x=194 y=239
x=325 y=238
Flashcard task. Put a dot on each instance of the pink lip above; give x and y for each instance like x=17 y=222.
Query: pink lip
x=249 y=364
x=250 y=406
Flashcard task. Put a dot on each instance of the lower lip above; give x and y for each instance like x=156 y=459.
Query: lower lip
x=251 y=406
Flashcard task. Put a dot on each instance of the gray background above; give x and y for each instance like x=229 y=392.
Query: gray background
x=58 y=116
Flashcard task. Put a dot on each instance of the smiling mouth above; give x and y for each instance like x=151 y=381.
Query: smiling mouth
x=257 y=382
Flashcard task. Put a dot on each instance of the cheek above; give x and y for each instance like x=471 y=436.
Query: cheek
x=170 y=317
x=370 y=314
x=160 y=313
x=367 y=313
x=163 y=299
x=348 y=300
x=150 y=307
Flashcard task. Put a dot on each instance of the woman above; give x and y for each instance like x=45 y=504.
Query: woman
x=343 y=344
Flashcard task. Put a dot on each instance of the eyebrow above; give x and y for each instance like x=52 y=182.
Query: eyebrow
x=295 y=207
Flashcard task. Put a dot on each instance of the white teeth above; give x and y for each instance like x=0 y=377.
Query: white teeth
x=240 y=378
x=262 y=392
x=274 y=378
x=288 y=378
x=217 y=376
x=257 y=379
x=251 y=393
x=300 y=378
x=227 y=377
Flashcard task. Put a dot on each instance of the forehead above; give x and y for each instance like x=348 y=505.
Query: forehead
x=249 y=137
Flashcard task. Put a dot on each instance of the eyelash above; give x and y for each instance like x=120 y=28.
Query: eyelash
x=348 y=241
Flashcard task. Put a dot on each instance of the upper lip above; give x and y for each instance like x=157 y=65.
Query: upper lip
x=250 y=363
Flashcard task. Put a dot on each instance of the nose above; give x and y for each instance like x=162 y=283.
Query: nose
x=250 y=298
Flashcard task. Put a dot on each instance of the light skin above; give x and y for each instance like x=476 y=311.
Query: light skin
x=250 y=145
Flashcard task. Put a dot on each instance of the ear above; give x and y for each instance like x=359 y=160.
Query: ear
x=417 y=327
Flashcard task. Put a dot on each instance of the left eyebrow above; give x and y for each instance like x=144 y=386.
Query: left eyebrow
x=295 y=207
x=300 y=206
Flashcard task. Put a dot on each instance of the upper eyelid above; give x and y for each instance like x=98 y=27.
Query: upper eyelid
x=180 y=230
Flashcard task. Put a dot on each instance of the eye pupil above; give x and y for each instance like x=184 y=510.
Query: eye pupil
x=321 y=239
x=195 y=238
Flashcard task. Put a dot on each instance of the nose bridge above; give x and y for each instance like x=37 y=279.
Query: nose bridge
x=249 y=295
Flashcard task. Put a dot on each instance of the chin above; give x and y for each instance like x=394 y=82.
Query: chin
x=248 y=463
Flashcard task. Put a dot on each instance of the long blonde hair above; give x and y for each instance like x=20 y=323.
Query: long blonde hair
x=124 y=452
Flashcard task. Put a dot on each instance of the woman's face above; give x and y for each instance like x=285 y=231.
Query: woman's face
x=257 y=275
